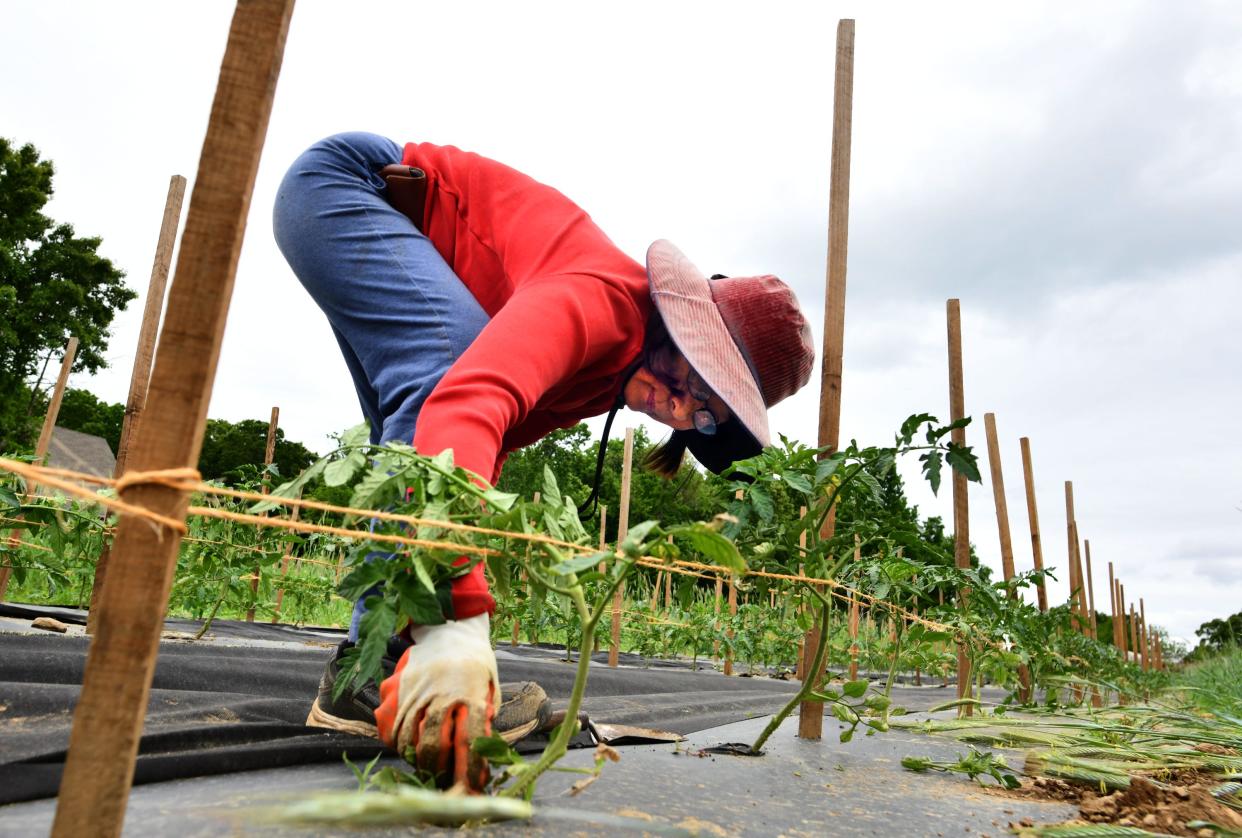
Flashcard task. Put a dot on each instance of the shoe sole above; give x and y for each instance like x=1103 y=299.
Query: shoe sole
x=319 y=718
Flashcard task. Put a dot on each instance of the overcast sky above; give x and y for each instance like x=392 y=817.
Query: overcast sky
x=1072 y=173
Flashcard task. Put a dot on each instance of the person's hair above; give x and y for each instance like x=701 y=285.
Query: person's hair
x=664 y=459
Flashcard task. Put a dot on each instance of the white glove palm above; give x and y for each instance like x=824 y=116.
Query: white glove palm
x=442 y=695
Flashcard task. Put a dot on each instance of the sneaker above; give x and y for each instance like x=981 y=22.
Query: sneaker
x=524 y=706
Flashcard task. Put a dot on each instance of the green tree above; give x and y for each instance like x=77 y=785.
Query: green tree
x=228 y=446
x=53 y=285
x=82 y=410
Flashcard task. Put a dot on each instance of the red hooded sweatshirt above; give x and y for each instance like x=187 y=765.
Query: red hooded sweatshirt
x=568 y=314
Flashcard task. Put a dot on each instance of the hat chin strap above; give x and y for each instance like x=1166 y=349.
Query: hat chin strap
x=591 y=504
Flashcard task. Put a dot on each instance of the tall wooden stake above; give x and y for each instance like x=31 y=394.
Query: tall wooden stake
x=603 y=567
x=1143 y=631
x=108 y=720
x=1075 y=573
x=623 y=528
x=1032 y=514
x=45 y=440
x=1095 y=633
x=802 y=661
x=1112 y=605
x=140 y=377
x=811 y=713
x=961 y=503
x=1125 y=633
x=269 y=454
x=1002 y=528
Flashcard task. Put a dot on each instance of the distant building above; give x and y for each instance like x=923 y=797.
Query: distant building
x=81 y=452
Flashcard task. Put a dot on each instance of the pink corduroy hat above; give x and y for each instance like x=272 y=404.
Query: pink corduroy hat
x=746 y=337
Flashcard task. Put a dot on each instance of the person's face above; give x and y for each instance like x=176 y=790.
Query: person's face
x=670 y=392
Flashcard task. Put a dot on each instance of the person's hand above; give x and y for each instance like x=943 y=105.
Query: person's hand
x=441 y=697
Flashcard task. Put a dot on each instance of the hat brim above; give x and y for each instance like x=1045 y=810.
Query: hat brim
x=683 y=296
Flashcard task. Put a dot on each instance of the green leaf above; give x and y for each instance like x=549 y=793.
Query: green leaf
x=931 y=470
x=762 y=503
x=964 y=462
x=798 y=483
x=293 y=488
x=357 y=435
x=9 y=499
x=551 y=490
x=632 y=546
x=713 y=545
x=855 y=689
x=825 y=468
x=495 y=750
x=910 y=427
x=580 y=563
x=847 y=735
x=369 y=493
x=340 y=472
x=501 y=501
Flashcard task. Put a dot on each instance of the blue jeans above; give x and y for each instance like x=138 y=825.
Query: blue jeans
x=399 y=313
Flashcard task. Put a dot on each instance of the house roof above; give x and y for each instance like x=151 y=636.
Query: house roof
x=80 y=452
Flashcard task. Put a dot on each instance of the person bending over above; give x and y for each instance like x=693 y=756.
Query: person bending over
x=495 y=312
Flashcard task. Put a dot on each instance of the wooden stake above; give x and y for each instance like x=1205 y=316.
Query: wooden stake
x=1075 y=570
x=1112 y=604
x=998 y=496
x=284 y=567
x=728 y=664
x=623 y=528
x=45 y=440
x=1032 y=513
x=140 y=377
x=853 y=624
x=811 y=713
x=107 y=723
x=668 y=586
x=1143 y=631
x=603 y=567
x=1095 y=634
x=961 y=502
x=1125 y=634
x=269 y=454
x=53 y=407
x=802 y=662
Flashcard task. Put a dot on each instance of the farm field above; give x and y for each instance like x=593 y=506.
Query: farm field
x=897 y=625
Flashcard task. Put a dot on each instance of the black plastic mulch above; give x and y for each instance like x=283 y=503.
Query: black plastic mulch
x=219 y=709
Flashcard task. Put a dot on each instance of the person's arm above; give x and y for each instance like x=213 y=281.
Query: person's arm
x=550 y=332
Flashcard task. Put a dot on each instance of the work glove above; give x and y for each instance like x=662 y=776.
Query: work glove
x=441 y=697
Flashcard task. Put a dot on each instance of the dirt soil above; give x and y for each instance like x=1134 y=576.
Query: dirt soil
x=1166 y=810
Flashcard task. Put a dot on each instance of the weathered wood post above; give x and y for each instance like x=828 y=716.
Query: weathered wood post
x=802 y=662
x=603 y=567
x=623 y=529
x=811 y=713
x=853 y=623
x=1002 y=528
x=1095 y=629
x=140 y=378
x=45 y=440
x=1143 y=632
x=1032 y=513
x=961 y=502
x=99 y=766
x=269 y=454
